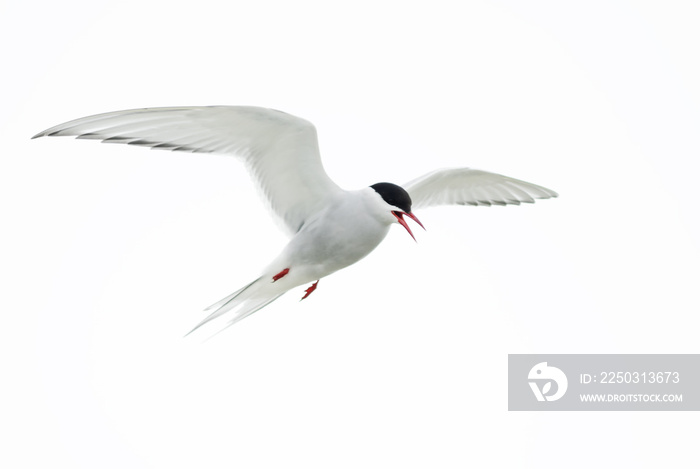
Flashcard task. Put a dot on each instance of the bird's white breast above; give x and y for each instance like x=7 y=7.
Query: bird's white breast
x=341 y=234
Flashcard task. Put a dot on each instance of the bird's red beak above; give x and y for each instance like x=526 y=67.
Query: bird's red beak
x=402 y=222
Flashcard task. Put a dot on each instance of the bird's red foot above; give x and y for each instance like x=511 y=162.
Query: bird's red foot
x=280 y=275
x=310 y=290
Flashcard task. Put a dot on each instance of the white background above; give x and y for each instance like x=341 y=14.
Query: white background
x=110 y=253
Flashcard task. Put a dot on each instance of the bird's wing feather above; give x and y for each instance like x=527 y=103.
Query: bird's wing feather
x=465 y=186
x=280 y=150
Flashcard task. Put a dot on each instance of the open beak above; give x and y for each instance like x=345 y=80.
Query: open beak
x=402 y=222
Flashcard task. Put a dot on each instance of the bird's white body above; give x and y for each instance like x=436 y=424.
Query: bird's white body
x=329 y=228
x=345 y=231
x=342 y=233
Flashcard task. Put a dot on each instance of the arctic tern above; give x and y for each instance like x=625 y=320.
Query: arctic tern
x=330 y=228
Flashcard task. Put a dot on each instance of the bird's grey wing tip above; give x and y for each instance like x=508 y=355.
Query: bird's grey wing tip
x=52 y=132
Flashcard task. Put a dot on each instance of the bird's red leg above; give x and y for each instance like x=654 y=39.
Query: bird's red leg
x=280 y=275
x=310 y=290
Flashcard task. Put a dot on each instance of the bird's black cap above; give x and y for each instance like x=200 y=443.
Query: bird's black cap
x=393 y=195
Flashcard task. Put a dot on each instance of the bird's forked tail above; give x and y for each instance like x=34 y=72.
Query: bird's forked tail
x=246 y=301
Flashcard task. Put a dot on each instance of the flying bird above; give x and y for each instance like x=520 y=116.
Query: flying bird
x=329 y=228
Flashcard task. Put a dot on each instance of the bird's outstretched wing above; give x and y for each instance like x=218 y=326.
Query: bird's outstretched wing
x=465 y=186
x=280 y=150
